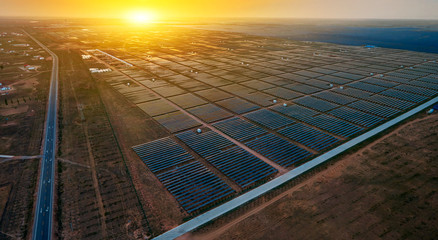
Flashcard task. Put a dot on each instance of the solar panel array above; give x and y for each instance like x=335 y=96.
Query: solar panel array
x=194 y=186
x=323 y=97
x=205 y=144
x=334 y=125
x=278 y=150
x=269 y=119
x=374 y=108
x=209 y=113
x=315 y=103
x=239 y=129
x=295 y=111
x=177 y=121
x=356 y=116
x=162 y=154
x=309 y=136
x=335 y=97
x=404 y=95
x=216 y=150
x=243 y=168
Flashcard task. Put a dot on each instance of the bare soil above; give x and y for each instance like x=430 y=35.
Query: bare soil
x=4 y=196
x=96 y=199
x=18 y=181
x=22 y=114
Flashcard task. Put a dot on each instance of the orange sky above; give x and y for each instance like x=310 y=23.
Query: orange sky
x=164 y=9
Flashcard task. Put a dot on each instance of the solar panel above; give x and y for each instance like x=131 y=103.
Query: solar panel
x=315 y=103
x=334 y=79
x=429 y=85
x=356 y=116
x=177 y=121
x=295 y=111
x=367 y=87
x=278 y=150
x=348 y=75
x=335 y=97
x=259 y=98
x=333 y=125
x=156 y=107
x=283 y=93
x=404 y=95
x=380 y=82
x=242 y=167
x=214 y=94
x=238 y=105
x=352 y=92
x=187 y=100
x=239 y=129
x=162 y=154
x=308 y=136
x=391 y=102
x=316 y=83
x=206 y=143
x=303 y=88
x=209 y=113
x=373 y=108
x=194 y=186
x=268 y=119
x=417 y=90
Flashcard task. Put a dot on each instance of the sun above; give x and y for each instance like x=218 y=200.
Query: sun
x=141 y=18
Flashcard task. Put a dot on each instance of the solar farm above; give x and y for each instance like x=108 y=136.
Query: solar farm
x=241 y=110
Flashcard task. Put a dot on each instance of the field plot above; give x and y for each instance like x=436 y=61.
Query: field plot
x=96 y=198
x=245 y=109
x=24 y=79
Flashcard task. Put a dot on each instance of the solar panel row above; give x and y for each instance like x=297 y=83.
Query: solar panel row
x=162 y=154
x=316 y=103
x=194 y=186
x=374 y=108
x=295 y=111
x=209 y=113
x=242 y=167
x=268 y=119
x=425 y=84
x=356 y=116
x=333 y=125
x=308 y=136
x=404 y=95
x=390 y=102
x=278 y=150
x=226 y=156
x=205 y=144
x=367 y=87
x=380 y=82
x=239 y=129
x=417 y=90
x=335 y=97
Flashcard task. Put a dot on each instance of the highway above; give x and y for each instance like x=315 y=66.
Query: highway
x=43 y=218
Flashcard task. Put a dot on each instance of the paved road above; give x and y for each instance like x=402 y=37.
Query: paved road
x=257 y=192
x=43 y=219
